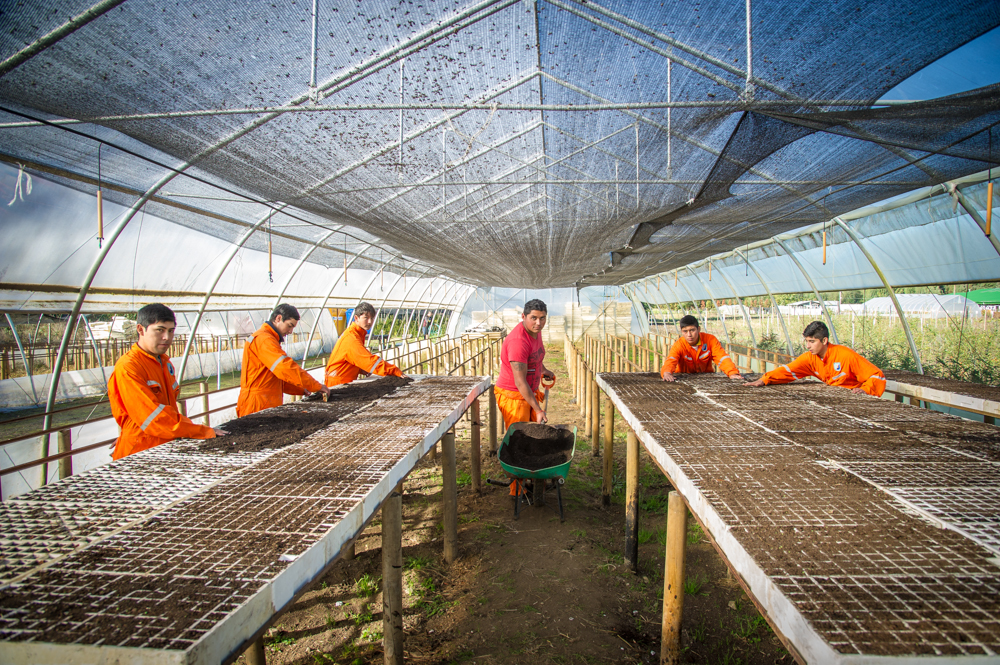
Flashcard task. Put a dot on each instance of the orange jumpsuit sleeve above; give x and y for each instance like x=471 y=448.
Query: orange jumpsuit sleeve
x=366 y=361
x=872 y=378
x=797 y=369
x=722 y=358
x=673 y=357
x=154 y=418
x=294 y=379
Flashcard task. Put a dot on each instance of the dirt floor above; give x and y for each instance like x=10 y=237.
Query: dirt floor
x=531 y=590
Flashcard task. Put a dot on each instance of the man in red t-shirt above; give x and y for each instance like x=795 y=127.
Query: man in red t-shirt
x=522 y=369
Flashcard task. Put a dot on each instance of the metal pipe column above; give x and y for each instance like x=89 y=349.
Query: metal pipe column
x=812 y=285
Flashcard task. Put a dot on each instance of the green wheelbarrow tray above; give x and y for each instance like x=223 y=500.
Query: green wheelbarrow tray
x=557 y=473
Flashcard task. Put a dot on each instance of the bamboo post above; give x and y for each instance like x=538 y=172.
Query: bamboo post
x=493 y=422
x=673 y=581
x=632 y=502
x=255 y=654
x=449 y=495
x=595 y=420
x=476 y=465
x=588 y=399
x=64 y=437
x=609 y=452
x=392 y=577
x=203 y=390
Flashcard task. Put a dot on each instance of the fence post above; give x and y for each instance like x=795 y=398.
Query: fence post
x=64 y=439
x=203 y=390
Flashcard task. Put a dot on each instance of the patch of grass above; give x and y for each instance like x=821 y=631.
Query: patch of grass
x=360 y=618
x=695 y=585
x=694 y=533
x=416 y=562
x=578 y=533
x=729 y=657
x=278 y=640
x=656 y=503
x=468 y=519
x=463 y=478
x=699 y=632
x=645 y=536
x=746 y=628
x=367 y=585
x=330 y=621
x=463 y=657
x=529 y=608
x=369 y=634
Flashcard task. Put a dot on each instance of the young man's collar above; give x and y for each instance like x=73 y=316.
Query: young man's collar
x=281 y=338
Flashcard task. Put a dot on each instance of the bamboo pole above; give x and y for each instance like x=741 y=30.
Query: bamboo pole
x=588 y=407
x=392 y=577
x=595 y=420
x=609 y=452
x=255 y=654
x=474 y=451
x=673 y=581
x=449 y=496
x=203 y=390
x=493 y=423
x=632 y=502
x=64 y=439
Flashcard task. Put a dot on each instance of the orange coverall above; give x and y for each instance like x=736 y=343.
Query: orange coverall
x=350 y=357
x=839 y=366
x=683 y=359
x=268 y=372
x=143 y=395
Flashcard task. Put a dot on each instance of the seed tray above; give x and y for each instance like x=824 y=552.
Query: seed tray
x=839 y=560
x=246 y=542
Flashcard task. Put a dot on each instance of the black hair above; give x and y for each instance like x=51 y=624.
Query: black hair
x=154 y=313
x=364 y=308
x=688 y=320
x=535 y=305
x=816 y=330
x=285 y=311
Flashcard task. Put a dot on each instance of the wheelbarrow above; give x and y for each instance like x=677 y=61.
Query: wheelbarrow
x=557 y=474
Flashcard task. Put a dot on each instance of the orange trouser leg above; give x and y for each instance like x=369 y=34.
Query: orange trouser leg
x=514 y=409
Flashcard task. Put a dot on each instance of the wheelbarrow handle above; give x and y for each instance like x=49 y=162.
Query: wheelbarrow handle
x=498 y=483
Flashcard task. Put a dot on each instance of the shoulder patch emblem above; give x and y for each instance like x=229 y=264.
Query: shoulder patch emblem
x=170 y=367
x=836 y=367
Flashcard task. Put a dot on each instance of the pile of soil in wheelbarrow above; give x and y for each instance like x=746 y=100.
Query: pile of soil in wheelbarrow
x=537 y=446
x=284 y=425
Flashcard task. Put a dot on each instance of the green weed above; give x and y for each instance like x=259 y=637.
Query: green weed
x=695 y=586
x=656 y=503
x=369 y=634
x=367 y=585
x=694 y=534
x=645 y=536
x=463 y=478
x=416 y=562
x=278 y=640
x=468 y=519
x=699 y=632
x=746 y=627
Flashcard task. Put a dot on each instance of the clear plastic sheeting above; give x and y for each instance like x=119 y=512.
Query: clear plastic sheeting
x=927 y=238
x=923 y=306
x=514 y=143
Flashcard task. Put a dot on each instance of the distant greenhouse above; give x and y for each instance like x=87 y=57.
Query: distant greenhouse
x=926 y=306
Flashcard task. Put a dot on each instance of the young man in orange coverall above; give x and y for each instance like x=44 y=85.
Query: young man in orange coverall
x=350 y=357
x=143 y=389
x=694 y=353
x=522 y=369
x=833 y=364
x=268 y=372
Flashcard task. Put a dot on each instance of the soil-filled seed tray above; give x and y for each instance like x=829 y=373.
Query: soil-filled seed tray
x=181 y=553
x=867 y=530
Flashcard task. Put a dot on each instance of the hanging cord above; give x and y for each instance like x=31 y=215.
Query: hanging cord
x=18 y=191
x=100 y=200
x=824 y=242
x=270 y=265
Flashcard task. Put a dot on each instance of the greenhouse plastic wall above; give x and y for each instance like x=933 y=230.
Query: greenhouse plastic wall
x=929 y=241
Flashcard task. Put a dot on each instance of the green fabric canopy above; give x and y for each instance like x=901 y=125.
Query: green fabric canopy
x=984 y=296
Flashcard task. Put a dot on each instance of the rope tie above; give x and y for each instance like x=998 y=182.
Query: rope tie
x=19 y=192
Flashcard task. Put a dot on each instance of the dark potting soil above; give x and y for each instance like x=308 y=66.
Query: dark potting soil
x=284 y=425
x=537 y=446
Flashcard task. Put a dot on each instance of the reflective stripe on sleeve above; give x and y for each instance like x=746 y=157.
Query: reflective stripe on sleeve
x=838 y=376
x=155 y=413
x=175 y=386
x=877 y=378
x=787 y=369
x=378 y=361
x=724 y=358
x=152 y=383
x=703 y=356
x=277 y=361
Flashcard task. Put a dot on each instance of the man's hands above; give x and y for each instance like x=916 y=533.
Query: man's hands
x=325 y=390
x=540 y=416
x=858 y=391
x=737 y=377
x=754 y=384
x=668 y=377
x=220 y=432
x=548 y=374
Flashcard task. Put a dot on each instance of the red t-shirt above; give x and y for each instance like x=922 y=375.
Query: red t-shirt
x=520 y=347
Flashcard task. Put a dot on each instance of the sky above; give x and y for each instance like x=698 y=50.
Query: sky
x=974 y=65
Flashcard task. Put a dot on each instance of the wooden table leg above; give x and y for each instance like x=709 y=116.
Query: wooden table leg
x=609 y=452
x=392 y=577
x=632 y=502
x=474 y=449
x=449 y=493
x=673 y=581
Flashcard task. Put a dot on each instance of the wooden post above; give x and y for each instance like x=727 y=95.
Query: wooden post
x=392 y=577
x=64 y=437
x=255 y=654
x=673 y=581
x=493 y=422
x=632 y=502
x=609 y=452
x=449 y=495
x=474 y=452
x=203 y=389
x=588 y=399
x=595 y=421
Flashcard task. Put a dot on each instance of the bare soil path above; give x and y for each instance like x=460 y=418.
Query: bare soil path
x=531 y=590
